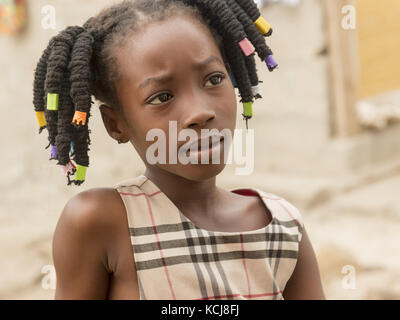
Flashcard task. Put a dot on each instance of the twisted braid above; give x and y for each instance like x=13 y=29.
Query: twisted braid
x=56 y=71
x=264 y=52
x=38 y=85
x=254 y=13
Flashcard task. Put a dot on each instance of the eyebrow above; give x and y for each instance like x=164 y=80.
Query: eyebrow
x=166 y=78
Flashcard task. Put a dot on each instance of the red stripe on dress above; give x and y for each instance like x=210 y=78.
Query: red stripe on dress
x=140 y=194
x=284 y=208
x=244 y=264
x=159 y=248
x=155 y=233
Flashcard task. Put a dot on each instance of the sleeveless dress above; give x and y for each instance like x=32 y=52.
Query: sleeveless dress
x=175 y=259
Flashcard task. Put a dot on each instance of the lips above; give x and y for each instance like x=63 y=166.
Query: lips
x=212 y=144
x=206 y=142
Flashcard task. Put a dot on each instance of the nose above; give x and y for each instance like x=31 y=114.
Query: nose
x=199 y=119
x=198 y=112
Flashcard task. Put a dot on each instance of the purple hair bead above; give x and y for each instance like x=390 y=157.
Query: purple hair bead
x=53 y=152
x=271 y=63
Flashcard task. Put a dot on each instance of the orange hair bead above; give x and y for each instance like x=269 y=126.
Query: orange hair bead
x=79 y=118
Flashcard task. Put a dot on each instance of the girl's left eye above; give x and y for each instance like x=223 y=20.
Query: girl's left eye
x=217 y=76
x=215 y=79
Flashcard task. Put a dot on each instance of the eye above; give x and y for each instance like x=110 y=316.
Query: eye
x=161 y=97
x=217 y=79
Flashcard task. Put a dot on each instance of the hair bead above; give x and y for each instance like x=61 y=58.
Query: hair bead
x=233 y=79
x=271 y=63
x=256 y=92
x=72 y=148
x=41 y=118
x=69 y=168
x=80 y=174
x=52 y=101
x=79 y=119
x=263 y=26
x=248 y=109
x=53 y=152
x=246 y=47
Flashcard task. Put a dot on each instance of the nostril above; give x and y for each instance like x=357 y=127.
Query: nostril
x=200 y=120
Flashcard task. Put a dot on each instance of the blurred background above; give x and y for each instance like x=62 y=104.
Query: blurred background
x=327 y=139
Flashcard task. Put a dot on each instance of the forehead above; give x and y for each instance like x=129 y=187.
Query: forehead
x=164 y=45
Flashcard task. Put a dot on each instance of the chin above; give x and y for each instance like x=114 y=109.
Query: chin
x=197 y=172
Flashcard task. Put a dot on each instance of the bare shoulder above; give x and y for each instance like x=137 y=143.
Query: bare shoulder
x=83 y=239
x=96 y=216
x=93 y=209
x=305 y=282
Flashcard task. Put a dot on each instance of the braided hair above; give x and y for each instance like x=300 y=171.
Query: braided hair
x=78 y=63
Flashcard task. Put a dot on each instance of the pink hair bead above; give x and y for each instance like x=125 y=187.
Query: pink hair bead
x=246 y=47
x=69 y=168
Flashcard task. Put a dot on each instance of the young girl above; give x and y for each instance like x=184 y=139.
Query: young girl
x=169 y=233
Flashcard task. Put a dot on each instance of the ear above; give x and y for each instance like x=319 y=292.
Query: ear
x=114 y=123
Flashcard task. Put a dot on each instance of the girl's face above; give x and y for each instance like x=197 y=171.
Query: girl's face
x=172 y=71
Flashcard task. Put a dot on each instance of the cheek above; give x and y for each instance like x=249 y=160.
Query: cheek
x=148 y=129
x=136 y=128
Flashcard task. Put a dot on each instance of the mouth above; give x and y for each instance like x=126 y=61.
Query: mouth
x=208 y=144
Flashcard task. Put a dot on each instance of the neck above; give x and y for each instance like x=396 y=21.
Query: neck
x=191 y=197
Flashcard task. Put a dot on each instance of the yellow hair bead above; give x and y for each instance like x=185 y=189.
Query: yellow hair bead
x=263 y=26
x=41 y=118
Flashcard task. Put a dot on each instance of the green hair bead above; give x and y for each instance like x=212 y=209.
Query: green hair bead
x=52 y=101
x=80 y=173
x=248 y=109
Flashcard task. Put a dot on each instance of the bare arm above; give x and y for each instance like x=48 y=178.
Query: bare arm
x=305 y=282
x=79 y=253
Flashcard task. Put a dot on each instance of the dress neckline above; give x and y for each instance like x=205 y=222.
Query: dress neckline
x=242 y=191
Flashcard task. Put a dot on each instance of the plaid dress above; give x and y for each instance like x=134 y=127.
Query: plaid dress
x=175 y=259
